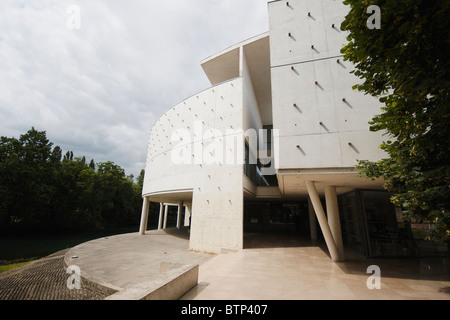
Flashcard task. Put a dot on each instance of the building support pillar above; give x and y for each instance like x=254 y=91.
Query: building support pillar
x=334 y=220
x=161 y=212
x=187 y=215
x=180 y=209
x=144 y=216
x=323 y=222
x=166 y=213
x=312 y=221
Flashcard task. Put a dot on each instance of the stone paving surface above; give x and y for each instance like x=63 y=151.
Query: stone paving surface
x=291 y=270
x=286 y=267
x=44 y=279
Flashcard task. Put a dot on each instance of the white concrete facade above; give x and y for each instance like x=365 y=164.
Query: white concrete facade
x=293 y=79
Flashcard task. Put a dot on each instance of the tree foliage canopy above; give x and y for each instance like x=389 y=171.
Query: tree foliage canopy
x=41 y=189
x=406 y=64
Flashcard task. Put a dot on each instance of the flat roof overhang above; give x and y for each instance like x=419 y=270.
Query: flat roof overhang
x=225 y=65
x=171 y=197
x=292 y=183
x=228 y=64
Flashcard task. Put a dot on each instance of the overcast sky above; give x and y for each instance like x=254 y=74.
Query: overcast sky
x=97 y=74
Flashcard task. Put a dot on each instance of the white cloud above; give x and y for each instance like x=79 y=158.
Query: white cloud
x=98 y=90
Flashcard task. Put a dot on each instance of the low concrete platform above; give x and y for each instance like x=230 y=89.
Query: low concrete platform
x=168 y=285
x=133 y=267
x=272 y=267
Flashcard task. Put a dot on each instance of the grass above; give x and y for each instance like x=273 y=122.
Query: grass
x=13 y=266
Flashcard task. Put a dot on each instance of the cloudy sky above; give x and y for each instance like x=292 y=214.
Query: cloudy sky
x=97 y=74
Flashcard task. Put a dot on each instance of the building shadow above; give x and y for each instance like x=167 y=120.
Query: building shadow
x=182 y=233
x=412 y=268
x=277 y=240
x=429 y=268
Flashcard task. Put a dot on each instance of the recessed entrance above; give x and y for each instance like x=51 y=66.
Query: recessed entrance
x=275 y=223
x=368 y=221
x=274 y=217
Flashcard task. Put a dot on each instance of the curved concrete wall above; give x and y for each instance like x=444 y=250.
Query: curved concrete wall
x=176 y=163
x=197 y=147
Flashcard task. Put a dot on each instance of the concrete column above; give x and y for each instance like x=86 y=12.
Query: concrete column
x=187 y=214
x=334 y=220
x=323 y=222
x=161 y=212
x=180 y=208
x=144 y=216
x=312 y=220
x=166 y=213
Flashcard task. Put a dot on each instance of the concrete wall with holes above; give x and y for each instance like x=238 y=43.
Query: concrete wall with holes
x=217 y=208
x=323 y=122
x=198 y=162
x=182 y=140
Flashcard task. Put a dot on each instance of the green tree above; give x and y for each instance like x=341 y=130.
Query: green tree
x=26 y=180
x=117 y=195
x=92 y=164
x=406 y=65
x=11 y=181
x=42 y=190
x=73 y=204
x=140 y=182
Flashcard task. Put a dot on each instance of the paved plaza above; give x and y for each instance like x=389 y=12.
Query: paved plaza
x=272 y=267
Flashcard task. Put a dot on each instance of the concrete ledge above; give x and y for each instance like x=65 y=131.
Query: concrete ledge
x=171 y=284
x=90 y=282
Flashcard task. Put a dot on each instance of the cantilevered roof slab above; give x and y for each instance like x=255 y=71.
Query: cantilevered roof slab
x=223 y=67
x=227 y=65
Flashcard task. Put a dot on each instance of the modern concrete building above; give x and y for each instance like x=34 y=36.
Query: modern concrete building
x=273 y=144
